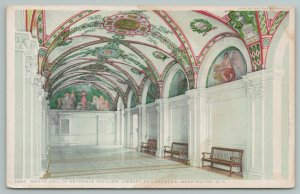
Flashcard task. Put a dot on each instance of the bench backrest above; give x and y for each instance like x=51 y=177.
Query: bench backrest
x=226 y=153
x=176 y=146
x=152 y=143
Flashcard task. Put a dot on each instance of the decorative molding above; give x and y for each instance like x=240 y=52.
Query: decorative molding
x=28 y=76
x=255 y=85
x=256 y=91
x=256 y=81
x=25 y=42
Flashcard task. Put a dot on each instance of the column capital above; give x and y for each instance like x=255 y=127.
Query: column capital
x=255 y=82
x=25 y=42
x=38 y=80
x=143 y=106
x=139 y=107
x=161 y=102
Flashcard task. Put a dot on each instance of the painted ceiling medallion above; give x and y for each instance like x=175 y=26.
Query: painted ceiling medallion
x=201 y=26
x=160 y=55
x=127 y=24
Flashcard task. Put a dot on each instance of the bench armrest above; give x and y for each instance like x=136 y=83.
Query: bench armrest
x=167 y=148
x=204 y=153
x=235 y=159
x=144 y=144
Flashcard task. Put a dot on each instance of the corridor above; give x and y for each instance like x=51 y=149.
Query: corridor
x=84 y=162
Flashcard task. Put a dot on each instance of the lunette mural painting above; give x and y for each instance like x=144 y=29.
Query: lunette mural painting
x=229 y=65
x=81 y=97
x=179 y=84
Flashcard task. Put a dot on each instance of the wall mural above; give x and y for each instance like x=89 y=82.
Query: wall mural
x=81 y=97
x=179 y=84
x=229 y=65
x=152 y=94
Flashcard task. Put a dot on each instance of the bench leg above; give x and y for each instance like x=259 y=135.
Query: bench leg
x=230 y=170
x=241 y=170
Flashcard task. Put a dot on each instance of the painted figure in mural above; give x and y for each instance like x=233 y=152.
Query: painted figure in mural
x=106 y=105
x=59 y=103
x=83 y=100
x=100 y=103
x=94 y=102
x=66 y=102
x=237 y=63
x=73 y=100
x=224 y=72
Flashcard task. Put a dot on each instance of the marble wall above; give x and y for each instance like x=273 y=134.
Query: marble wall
x=85 y=128
x=178 y=117
x=227 y=117
x=151 y=126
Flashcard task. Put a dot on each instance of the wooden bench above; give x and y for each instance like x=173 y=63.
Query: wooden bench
x=177 y=151
x=150 y=146
x=224 y=156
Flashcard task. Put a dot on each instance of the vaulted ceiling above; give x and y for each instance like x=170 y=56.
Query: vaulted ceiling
x=117 y=51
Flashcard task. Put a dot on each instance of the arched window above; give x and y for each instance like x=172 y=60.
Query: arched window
x=151 y=94
x=179 y=84
x=229 y=65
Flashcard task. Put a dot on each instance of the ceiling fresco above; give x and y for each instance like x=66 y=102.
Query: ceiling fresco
x=118 y=51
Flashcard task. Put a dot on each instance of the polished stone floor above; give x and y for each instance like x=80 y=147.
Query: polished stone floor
x=119 y=163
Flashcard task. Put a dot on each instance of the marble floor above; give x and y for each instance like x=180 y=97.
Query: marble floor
x=84 y=162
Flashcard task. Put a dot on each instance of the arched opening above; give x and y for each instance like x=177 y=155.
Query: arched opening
x=280 y=53
x=149 y=112
x=175 y=86
x=224 y=95
x=132 y=117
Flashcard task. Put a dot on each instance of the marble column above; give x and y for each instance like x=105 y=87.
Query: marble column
x=118 y=133
x=39 y=130
x=45 y=142
x=25 y=61
x=264 y=124
x=128 y=128
x=195 y=136
x=140 y=128
x=144 y=123
x=162 y=125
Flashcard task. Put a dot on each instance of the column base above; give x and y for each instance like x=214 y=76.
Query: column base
x=195 y=162
x=159 y=153
x=255 y=175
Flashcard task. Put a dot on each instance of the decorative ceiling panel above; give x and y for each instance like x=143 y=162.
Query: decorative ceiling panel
x=119 y=50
